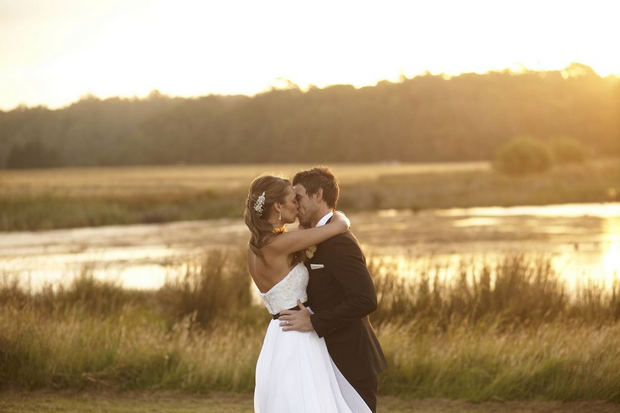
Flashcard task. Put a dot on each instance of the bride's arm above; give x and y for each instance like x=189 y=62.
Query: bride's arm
x=290 y=242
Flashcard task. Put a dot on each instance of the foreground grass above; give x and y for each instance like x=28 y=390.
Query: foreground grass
x=552 y=362
x=503 y=332
x=98 y=402
x=61 y=198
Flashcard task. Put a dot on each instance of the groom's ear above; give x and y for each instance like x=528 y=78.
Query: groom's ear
x=319 y=195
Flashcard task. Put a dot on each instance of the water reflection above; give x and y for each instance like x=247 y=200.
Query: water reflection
x=601 y=210
x=611 y=238
x=582 y=240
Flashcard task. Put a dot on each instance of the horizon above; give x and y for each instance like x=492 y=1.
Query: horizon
x=68 y=50
x=287 y=84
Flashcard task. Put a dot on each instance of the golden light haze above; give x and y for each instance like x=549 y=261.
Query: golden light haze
x=53 y=52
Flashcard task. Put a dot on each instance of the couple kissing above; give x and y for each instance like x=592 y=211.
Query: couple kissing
x=320 y=353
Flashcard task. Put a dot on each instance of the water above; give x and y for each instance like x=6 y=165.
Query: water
x=582 y=240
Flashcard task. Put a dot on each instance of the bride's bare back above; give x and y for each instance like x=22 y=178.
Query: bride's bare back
x=267 y=271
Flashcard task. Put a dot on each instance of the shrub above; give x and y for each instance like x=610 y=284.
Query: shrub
x=522 y=156
x=568 y=150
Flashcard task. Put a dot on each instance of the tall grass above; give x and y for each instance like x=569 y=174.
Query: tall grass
x=557 y=361
x=33 y=200
x=588 y=182
x=26 y=212
x=508 y=330
x=516 y=290
x=217 y=289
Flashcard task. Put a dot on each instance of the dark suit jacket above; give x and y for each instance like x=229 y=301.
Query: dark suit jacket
x=341 y=295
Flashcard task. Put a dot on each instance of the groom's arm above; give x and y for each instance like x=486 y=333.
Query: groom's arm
x=348 y=267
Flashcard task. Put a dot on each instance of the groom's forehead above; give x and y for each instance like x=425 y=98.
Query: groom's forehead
x=299 y=189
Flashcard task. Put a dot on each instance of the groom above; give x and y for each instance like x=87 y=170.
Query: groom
x=340 y=291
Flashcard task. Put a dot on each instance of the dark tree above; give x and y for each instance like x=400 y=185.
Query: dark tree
x=32 y=155
x=422 y=119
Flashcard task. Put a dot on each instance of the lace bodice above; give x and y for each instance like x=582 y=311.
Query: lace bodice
x=288 y=290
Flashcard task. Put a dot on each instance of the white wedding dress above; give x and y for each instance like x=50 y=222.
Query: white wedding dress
x=294 y=372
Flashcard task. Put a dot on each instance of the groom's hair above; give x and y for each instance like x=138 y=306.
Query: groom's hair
x=319 y=177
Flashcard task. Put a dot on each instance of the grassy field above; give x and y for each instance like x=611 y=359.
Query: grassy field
x=61 y=198
x=515 y=336
x=141 y=181
x=160 y=402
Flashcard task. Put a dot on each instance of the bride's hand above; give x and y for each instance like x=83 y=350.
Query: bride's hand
x=341 y=219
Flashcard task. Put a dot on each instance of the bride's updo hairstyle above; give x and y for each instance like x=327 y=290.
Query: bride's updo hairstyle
x=264 y=192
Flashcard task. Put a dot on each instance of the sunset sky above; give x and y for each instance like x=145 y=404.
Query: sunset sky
x=53 y=52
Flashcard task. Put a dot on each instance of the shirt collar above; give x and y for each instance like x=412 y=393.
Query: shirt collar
x=325 y=218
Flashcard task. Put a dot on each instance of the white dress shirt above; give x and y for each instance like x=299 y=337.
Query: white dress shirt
x=325 y=218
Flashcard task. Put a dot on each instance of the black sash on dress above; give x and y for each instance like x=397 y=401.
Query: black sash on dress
x=276 y=316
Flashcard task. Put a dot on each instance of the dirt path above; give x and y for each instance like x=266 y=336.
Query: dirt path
x=96 y=402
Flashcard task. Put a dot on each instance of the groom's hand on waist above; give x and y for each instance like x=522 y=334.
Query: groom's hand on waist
x=296 y=320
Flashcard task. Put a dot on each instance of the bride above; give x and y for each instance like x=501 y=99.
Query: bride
x=294 y=372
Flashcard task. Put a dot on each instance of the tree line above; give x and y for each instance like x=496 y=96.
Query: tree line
x=421 y=119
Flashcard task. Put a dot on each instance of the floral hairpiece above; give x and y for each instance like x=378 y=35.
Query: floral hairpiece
x=258 y=205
